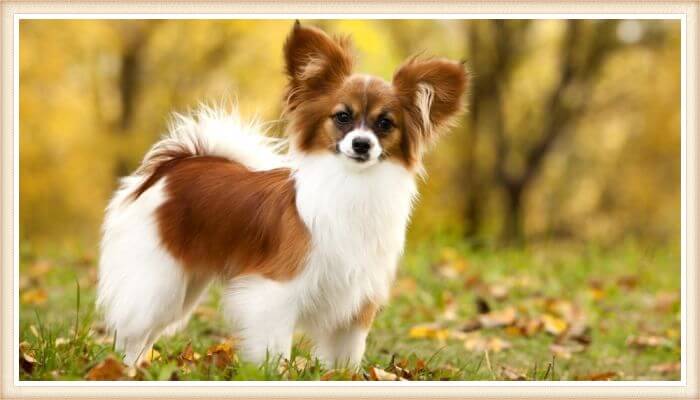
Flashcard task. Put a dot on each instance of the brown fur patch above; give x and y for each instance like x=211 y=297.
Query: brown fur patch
x=444 y=81
x=315 y=63
x=365 y=317
x=221 y=218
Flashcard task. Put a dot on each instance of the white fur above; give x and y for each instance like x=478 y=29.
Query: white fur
x=375 y=150
x=357 y=219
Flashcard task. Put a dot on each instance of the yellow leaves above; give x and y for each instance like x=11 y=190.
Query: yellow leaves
x=601 y=376
x=553 y=325
x=108 y=370
x=34 y=296
x=221 y=355
x=596 y=293
x=429 y=331
x=151 y=355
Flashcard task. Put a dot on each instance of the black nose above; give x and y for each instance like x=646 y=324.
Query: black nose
x=361 y=145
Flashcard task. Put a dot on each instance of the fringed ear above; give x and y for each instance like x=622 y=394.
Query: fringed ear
x=431 y=91
x=315 y=63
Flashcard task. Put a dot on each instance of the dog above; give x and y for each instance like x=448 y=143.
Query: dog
x=306 y=238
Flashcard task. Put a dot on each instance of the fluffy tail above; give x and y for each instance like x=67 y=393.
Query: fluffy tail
x=206 y=132
x=215 y=132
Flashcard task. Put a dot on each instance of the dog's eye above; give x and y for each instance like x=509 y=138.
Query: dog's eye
x=342 y=117
x=384 y=124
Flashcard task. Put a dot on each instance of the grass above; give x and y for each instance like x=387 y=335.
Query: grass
x=435 y=327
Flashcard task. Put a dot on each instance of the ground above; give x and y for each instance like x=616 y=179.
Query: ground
x=553 y=311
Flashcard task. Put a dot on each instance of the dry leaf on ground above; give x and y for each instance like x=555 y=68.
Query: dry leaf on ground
x=221 y=355
x=647 y=341
x=553 y=325
x=26 y=358
x=429 y=331
x=602 y=376
x=378 y=374
x=511 y=374
x=108 y=370
x=498 y=318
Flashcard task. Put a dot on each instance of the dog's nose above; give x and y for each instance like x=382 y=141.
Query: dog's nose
x=361 y=145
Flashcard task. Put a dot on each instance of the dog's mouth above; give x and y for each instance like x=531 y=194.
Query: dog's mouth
x=358 y=158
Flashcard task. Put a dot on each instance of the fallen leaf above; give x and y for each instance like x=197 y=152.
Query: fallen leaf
x=553 y=325
x=187 y=355
x=470 y=326
x=221 y=355
x=602 y=376
x=108 y=370
x=35 y=296
x=511 y=374
x=565 y=351
x=647 y=341
x=667 y=368
x=580 y=332
x=627 y=282
x=151 y=355
x=499 y=318
x=26 y=358
x=532 y=326
x=378 y=374
x=563 y=309
x=429 y=331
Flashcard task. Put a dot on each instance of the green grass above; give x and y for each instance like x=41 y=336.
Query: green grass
x=621 y=292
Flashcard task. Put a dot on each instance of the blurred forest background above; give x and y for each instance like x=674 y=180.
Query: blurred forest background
x=548 y=227
x=573 y=128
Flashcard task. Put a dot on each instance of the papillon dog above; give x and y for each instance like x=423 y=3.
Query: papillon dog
x=306 y=238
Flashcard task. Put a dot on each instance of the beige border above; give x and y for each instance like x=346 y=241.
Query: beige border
x=689 y=8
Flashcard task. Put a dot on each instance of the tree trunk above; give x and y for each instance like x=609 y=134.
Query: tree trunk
x=513 y=218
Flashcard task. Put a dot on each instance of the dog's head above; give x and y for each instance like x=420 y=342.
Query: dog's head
x=362 y=119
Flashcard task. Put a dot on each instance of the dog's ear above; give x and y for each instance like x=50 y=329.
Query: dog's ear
x=431 y=92
x=315 y=62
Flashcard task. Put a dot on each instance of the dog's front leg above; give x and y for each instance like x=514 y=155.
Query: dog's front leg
x=263 y=313
x=344 y=346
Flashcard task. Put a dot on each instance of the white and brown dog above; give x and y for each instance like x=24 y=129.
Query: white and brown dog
x=309 y=239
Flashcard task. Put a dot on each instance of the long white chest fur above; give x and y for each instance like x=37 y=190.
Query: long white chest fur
x=357 y=221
